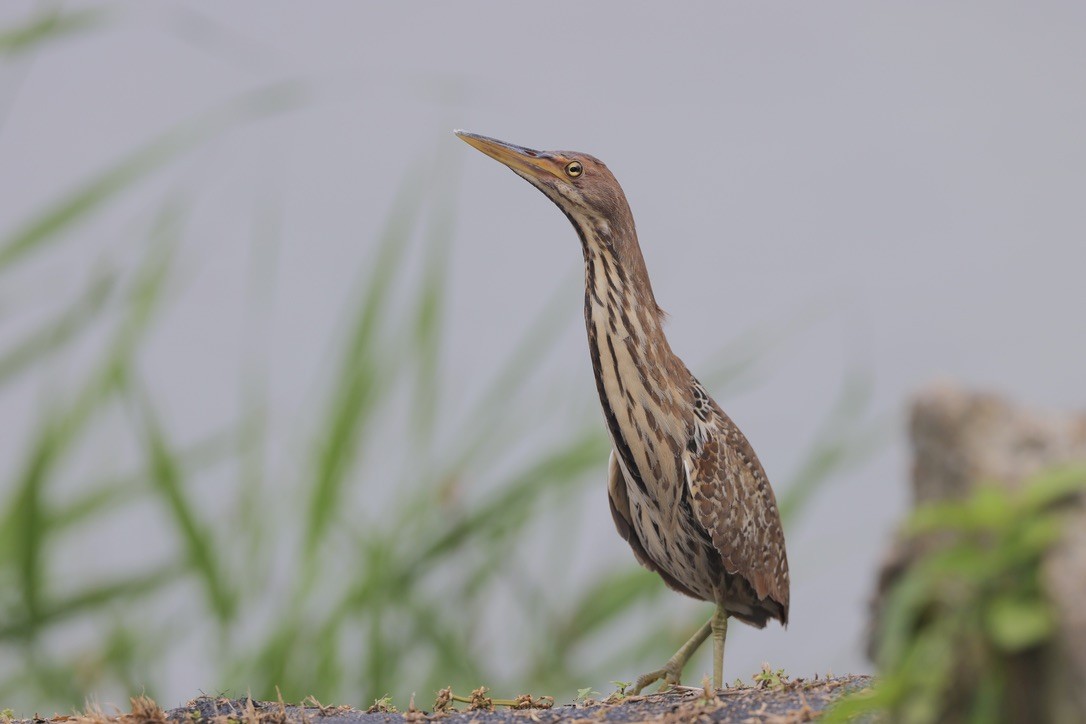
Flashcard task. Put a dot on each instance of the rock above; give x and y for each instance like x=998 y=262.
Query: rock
x=962 y=440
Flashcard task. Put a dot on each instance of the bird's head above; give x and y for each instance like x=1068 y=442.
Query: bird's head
x=579 y=184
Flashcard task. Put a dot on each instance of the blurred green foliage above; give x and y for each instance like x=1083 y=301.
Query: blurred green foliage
x=954 y=622
x=379 y=598
x=50 y=23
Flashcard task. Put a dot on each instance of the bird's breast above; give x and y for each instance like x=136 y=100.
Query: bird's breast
x=643 y=418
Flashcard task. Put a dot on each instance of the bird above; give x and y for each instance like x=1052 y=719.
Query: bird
x=685 y=487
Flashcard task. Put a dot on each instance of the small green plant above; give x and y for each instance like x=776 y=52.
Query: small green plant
x=767 y=678
x=953 y=624
x=620 y=689
x=586 y=694
x=382 y=705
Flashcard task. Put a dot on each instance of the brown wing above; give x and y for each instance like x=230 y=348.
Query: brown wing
x=620 y=512
x=732 y=500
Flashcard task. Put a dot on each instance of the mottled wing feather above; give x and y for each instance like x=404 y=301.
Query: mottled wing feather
x=620 y=512
x=732 y=500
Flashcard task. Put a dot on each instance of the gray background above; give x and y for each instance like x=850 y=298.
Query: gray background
x=905 y=179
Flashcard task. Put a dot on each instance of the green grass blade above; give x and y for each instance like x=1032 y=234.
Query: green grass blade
x=507 y=509
x=145 y=292
x=608 y=598
x=110 y=495
x=426 y=346
x=93 y=597
x=26 y=527
x=846 y=438
x=433 y=630
x=251 y=445
x=52 y=336
x=526 y=356
x=27 y=519
x=48 y=225
x=488 y=424
x=741 y=360
x=26 y=524
x=360 y=381
x=47 y=25
x=168 y=481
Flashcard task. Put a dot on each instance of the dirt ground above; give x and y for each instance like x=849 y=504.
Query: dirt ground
x=797 y=700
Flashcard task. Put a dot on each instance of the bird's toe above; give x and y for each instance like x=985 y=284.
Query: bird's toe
x=670 y=675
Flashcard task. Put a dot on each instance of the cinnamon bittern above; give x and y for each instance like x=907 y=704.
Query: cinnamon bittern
x=686 y=490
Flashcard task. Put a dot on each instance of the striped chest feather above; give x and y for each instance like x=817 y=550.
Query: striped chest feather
x=647 y=419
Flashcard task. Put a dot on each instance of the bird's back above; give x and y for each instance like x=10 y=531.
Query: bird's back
x=733 y=501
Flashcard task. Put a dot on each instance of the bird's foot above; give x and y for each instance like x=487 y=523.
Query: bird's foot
x=670 y=674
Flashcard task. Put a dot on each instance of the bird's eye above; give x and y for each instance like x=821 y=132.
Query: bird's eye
x=574 y=169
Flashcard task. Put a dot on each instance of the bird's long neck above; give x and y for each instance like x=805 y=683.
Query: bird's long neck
x=620 y=308
x=639 y=379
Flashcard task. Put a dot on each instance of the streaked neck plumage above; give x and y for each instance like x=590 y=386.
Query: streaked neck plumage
x=636 y=372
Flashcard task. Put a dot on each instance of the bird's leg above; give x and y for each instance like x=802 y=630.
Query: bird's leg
x=719 y=624
x=673 y=669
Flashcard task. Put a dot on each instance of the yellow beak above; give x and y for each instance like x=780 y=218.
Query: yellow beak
x=525 y=161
